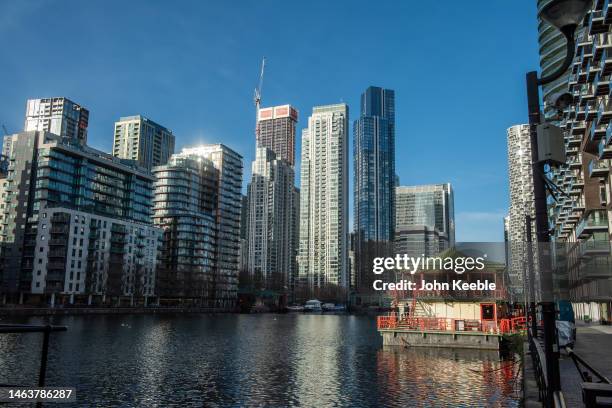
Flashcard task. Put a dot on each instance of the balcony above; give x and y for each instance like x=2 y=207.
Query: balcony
x=604 y=113
x=576 y=187
x=590 y=111
x=575 y=162
x=597 y=24
x=119 y=229
x=598 y=168
x=594 y=247
x=596 y=220
x=59 y=229
x=56 y=265
x=601 y=83
x=57 y=242
x=117 y=250
x=566 y=228
x=598 y=5
x=607 y=12
x=57 y=253
x=597 y=132
x=585 y=47
x=572 y=151
x=581 y=75
x=574 y=141
x=600 y=43
x=604 y=150
x=120 y=239
x=597 y=267
x=587 y=93
x=591 y=70
x=605 y=64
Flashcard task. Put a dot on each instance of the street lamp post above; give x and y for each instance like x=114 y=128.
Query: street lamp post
x=565 y=15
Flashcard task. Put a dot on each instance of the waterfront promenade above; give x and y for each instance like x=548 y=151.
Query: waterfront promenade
x=26 y=311
x=594 y=345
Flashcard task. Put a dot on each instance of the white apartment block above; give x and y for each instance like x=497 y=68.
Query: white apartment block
x=84 y=253
x=521 y=201
x=323 y=243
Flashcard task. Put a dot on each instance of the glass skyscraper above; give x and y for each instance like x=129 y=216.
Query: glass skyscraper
x=425 y=219
x=198 y=204
x=374 y=180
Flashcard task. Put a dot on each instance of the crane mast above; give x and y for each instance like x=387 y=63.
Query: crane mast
x=257 y=97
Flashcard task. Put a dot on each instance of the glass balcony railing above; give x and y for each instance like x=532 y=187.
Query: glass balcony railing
x=598 y=168
x=604 y=149
x=604 y=112
x=595 y=246
x=597 y=220
x=597 y=267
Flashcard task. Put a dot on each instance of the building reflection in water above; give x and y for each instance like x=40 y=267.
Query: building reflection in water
x=427 y=376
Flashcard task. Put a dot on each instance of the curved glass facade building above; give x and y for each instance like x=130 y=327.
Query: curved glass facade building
x=552 y=48
x=198 y=204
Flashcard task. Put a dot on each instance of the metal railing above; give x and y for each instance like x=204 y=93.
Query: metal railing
x=447 y=324
x=46 y=330
x=549 y=397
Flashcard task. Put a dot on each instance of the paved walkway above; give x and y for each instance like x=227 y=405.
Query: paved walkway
x=594 y=345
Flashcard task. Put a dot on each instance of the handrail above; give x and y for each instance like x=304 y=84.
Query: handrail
x=28 y=328
x=559 y=399
x=24 y=328
x=586 y=377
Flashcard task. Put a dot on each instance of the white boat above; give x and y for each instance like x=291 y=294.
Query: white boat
x=331 y=307
x=295 y=308
x=313 y=306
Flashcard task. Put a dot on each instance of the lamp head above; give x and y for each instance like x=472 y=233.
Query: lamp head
x=565 y=14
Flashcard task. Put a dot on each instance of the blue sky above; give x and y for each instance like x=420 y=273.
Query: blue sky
x=457 y=68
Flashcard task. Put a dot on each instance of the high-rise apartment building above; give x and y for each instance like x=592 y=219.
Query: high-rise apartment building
x=198 y=205
x=141 y=139
x=424 y=220
x=271 y=223
x=580 y=219
x=522 y=204
x=184 y=208
x=276 y=131
x=552 y=46
x=295 y=239
x=374 y=181
x=59 y=116
x=77 y=221
x=271 y=195
x=323 y=251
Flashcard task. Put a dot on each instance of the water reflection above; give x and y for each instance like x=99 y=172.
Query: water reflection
x=253 y=360
x=425 y=377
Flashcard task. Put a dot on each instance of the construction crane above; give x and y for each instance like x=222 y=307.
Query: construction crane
x=257 y=98
x=6 y=133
